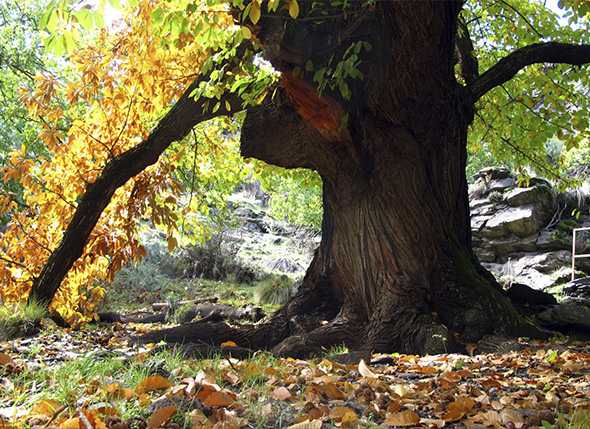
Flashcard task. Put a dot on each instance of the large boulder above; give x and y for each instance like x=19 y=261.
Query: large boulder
x=566 y=315
x=522 y=221
x=539 y=195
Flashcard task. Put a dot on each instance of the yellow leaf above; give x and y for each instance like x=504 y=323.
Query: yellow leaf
x=246 y=33
x=172 y=243
x=293 y=9
x=403 y=418
x=151 y=383
x=160 y=416
x=228 y=344
x=45 y=407
x=255 y=13
x=313 y=424
x=281 y=394
x=365 y=371
x=73 y=423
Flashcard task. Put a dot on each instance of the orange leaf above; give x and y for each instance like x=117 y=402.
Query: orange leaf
x=6 y=360
x=218 y=399
x=160 y=416
x=228 y=344
x=151 y=383
x=402 y=418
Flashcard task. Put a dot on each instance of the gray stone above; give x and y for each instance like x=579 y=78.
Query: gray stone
x=567 y=314
x=522 y=221
x=514 y=244
x=500 y=185
x=539 y=195
x=493 y=173
x=552 y=240
x=477 y=222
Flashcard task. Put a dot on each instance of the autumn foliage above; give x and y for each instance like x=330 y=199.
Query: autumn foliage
x=120 y=86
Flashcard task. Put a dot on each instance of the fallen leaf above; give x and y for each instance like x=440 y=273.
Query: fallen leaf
x=6 y=360
x=160 y=416
x=458 y=409
x=307 y=424
x=365 y=371
x=73 y=423
x=402 y=418
x=218 y=399
x=281 y=394
x=151 y=383
x=45 y=407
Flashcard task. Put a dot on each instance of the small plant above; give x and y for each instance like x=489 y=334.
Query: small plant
x=20 y=320
x=275 y=290
x=496 y=197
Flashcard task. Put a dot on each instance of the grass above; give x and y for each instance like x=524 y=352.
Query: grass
x=275 y=290
x=19 y=319
x=580 y=419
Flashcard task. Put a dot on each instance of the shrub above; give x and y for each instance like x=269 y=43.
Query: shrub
x=275 y=290
x=20 y=320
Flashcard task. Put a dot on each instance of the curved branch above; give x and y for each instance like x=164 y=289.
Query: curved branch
x=177 y=123
x=507 y=67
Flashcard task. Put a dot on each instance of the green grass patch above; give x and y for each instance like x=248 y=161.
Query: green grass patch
x=18 y=320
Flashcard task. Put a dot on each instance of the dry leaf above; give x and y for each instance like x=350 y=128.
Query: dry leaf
x=365 y=371
x=313 y=424
x=151 y=383
x=218 y=399
x=73 y=423
x=402 y=418
x=160 y=416
x=228 y=344
x=45 y=407
x=281 y=394
x=6 y=360
x=458 y=409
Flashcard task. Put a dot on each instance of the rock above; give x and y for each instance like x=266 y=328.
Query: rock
x=566 y=315
x=284 y=265
x=538 y=195
x=552 y=240
x=514 y=244
x=500 y=185
x=493 y=173
x=522 y=221
x=526 y=295
x=579 y=288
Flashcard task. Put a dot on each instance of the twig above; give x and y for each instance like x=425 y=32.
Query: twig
x=55 y=415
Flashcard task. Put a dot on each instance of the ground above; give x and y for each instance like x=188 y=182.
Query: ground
x=61 y=377
x=97 y=376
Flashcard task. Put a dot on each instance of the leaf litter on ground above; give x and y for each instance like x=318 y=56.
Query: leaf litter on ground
x=540 y=386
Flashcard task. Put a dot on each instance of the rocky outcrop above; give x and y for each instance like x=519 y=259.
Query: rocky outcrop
x=521 y=232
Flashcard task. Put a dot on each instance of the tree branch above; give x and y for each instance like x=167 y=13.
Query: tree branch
x=177 y=123
x=507 y=67
x=467 y=58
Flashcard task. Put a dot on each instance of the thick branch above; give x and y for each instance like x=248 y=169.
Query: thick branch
x=183 y=116
x=469 y=63
x=276 y=134
x=507 y=67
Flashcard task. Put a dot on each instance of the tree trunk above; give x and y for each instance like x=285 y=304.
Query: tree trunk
x=395 y=270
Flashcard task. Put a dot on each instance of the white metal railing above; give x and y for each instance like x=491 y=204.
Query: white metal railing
x=574 y=256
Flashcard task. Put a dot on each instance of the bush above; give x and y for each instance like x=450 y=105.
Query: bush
x=20 y=320
x=215 y=260
x=276 y=290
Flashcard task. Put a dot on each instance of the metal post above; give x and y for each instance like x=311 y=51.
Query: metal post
x=574 y=255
